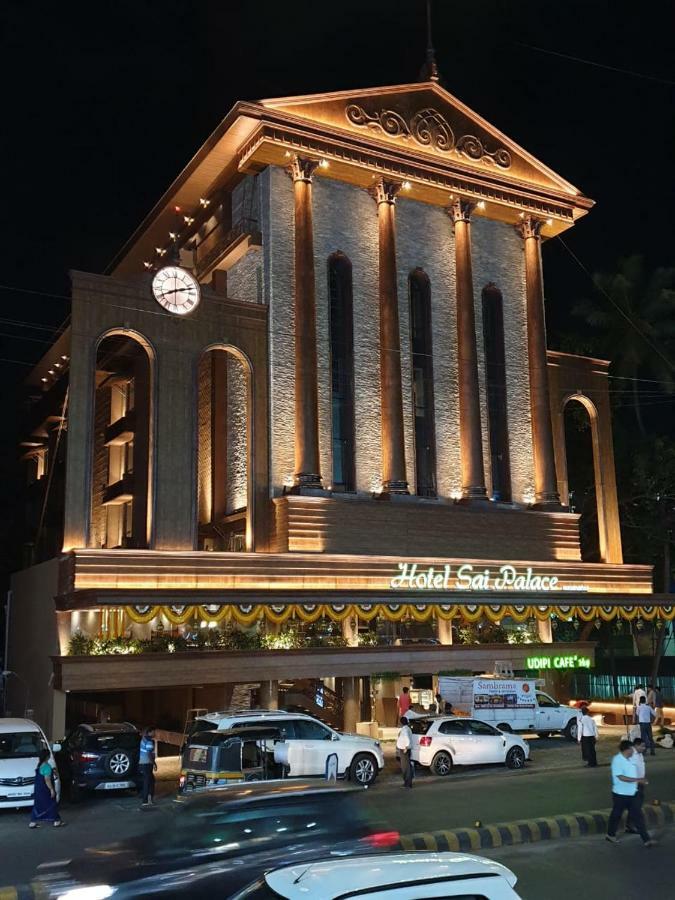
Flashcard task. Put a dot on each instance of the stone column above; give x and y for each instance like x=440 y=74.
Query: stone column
x=350 y=631
x=269 y=695
x=394 y=479
x=545 y=481
x=545 y=631
x=444 y=630
x=350 y=697
x=471 y=436
x=307 y=470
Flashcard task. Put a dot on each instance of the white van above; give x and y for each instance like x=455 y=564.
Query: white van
x=20 y=743
x=510 y=704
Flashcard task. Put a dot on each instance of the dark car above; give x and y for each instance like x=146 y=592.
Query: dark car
x=215 y=842
x=100 y=758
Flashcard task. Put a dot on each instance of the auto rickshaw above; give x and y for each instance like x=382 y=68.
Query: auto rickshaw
x=212 y=758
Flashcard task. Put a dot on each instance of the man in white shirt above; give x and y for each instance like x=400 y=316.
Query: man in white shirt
x=404 y=747
x=645 y=716
x=638 y=760
x=638 y=693
x=624 y=795
x=587 y=734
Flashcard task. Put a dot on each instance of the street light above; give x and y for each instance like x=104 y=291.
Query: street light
x=5 y=676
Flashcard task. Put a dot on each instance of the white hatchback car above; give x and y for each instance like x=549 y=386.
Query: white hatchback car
x=20 y=743
x=394 y=876
x=307 y=743
x=445 y=741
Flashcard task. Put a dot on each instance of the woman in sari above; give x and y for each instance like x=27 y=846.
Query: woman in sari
x=45 y=804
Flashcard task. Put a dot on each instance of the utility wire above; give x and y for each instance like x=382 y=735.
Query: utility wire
x=597 y=65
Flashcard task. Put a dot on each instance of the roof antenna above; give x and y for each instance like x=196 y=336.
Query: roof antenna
x=429 y=69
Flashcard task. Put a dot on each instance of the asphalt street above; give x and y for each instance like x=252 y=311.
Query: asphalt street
x=554 y=782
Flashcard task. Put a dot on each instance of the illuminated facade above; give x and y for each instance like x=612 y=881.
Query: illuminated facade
x=353 y=424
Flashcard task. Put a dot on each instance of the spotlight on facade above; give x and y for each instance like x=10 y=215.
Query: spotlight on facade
x=203 y=202
x=323 y=164
x=406 y=186
x=481 y=204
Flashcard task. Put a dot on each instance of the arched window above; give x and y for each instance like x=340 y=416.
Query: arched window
x=342 y=371
x=121 y=463
x=495 y=379
x=423 y=383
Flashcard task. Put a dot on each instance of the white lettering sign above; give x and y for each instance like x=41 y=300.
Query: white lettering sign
x=467 y=577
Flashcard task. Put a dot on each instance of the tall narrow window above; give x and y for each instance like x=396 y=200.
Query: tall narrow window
x=495 y=377
x=423 y=383
x=342 y=370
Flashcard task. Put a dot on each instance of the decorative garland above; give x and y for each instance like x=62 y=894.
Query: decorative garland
x=278 y=613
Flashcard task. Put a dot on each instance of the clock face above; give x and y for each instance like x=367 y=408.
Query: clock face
x=176 y=290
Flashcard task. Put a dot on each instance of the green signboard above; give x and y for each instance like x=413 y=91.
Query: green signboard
x=571 y=661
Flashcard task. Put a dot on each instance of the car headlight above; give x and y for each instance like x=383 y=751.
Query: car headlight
x=92 y=892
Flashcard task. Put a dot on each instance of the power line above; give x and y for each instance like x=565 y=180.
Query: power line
x=597 y=65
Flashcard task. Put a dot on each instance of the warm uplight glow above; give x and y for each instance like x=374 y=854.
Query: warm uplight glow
x=406 y=186
x=160 y=251
x=44 y=380
x=177 y=209
x=148 y=265
x=481 y=204
x=521 y=215
x=323 y=164
x=549 y=221
x=188 y=220
x=173 y=235
x=456 y=495
x=63 y=356
x=51 y=372
x=204 y=202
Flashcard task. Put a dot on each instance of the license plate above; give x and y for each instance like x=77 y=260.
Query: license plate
x=114 y=785
x=23 y=794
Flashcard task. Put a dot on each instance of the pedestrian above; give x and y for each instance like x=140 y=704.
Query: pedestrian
x=404 y=702
x=587 y=734
x=638 y=693
x=147 y=763
x=404 y=749
x=638 y=760
x=645 y=717
x=650 y=696
x=438 y=704
x=624 y=795
x=658 y=705
x=45 y=804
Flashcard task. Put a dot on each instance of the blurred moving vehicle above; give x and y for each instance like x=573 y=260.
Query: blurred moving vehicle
x=307 y=743
x=20 y=743
x=446 y=741
x=212 y=758
x=217 y=841
x=100 y=758
x=398 y=876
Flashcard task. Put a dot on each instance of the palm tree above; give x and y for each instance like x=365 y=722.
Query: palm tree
x=635 y=324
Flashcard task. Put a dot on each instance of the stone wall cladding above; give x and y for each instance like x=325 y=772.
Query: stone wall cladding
x=204 y=486
x=278 y=284
x=425 y=239
x=345 y=218
x=498 y=257
x=244 y=278
x=237 y=436
x=100 y=466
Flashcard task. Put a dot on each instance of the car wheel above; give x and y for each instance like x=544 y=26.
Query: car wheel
x=441 y=763
x=118 y=763
x=515 y=758
x=505 y=727
x=570 y=731
x=363 y=769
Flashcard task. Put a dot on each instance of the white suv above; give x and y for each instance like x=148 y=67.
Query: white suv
x=444 y=742
x=20 y=744
x=307 y=743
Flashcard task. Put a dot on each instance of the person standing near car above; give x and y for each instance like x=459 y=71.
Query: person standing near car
x=587 y=735
x=147 y=763
x=404 y=750
x=404 y=702
x=45 y=804
x=645 y=715
x=625 y=781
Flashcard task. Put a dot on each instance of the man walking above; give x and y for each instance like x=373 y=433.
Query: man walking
x=624 y=795
x=404 y=749
x=658 y=705
x=638 y=694
x=638 y=760
x=587 y=734
x=147 y=764
x=645 y=715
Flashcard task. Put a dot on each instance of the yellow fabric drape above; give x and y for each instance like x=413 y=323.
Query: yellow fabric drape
x=247 y=614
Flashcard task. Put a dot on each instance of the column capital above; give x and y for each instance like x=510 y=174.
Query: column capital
x=384 y=191
x=530 y=227
x=301 y=168
x=460 y=210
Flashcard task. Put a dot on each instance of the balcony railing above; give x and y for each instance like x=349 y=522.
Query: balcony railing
x=121 y=431
x=120 y=492
x=219 y=244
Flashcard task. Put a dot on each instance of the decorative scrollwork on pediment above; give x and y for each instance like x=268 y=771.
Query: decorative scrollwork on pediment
x=428 y=128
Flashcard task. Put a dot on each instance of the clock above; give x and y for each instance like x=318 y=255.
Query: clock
x=176 y=290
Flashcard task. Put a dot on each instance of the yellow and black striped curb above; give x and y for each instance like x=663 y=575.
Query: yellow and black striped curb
x=526 y=831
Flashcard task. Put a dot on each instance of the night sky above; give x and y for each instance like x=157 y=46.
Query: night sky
x=103 y=104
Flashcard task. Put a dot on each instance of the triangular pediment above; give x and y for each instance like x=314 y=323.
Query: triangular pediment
x=425 y=118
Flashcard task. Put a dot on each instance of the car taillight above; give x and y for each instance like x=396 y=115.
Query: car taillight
x=86 y=757
x=382 y=839
x=425 y=741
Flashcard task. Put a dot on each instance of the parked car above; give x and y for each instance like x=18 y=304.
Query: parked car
x=398 y=876
x=20 y=744
x=307 y=743
x=212 y=843
x=446 y=741
x=100 y=758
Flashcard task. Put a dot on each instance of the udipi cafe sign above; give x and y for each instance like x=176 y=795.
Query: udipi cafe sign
x=467 y=578
x=570 y=661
